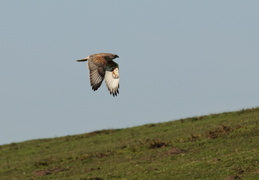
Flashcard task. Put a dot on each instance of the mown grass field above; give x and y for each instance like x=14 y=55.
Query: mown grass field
x=216 y=146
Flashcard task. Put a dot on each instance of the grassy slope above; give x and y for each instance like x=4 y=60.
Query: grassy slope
x=217 y=146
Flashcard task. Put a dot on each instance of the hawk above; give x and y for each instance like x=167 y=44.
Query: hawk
x=101 y=66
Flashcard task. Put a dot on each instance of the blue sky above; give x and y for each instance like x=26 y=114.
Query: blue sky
x=177 y=59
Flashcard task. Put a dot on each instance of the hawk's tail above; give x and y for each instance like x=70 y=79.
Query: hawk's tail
x=82 y=60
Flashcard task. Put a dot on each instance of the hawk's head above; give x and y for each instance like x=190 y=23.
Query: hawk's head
x=113 y=56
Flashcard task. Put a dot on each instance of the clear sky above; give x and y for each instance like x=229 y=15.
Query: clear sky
x=177 y=59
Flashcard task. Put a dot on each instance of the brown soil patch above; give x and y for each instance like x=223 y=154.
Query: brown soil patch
x=232 y=178
x=218 y=131
x=45 y=172
x=157 y=143
x=175 y=151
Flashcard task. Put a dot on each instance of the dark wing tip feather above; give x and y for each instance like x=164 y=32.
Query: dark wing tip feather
x=115 y=93
x=95 y=87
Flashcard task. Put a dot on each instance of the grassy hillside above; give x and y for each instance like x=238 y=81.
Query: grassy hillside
x=217 y=146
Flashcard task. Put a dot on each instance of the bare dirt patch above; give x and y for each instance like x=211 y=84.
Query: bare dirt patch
x=45 y=172
x=232 y=178
x=218 y=131
x=157 y=143
x=175 y=151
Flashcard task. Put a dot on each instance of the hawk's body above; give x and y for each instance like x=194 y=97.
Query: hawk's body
x=101 y=66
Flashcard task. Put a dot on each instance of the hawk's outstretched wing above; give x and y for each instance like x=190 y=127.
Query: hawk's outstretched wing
x=97 y=72
x=112 y=77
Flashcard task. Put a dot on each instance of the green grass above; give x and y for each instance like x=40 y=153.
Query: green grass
x=217 y=146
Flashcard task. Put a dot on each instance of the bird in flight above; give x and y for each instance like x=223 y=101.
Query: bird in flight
x=101 y=66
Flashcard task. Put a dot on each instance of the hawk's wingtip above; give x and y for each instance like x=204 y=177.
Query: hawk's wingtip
x=114 y=93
